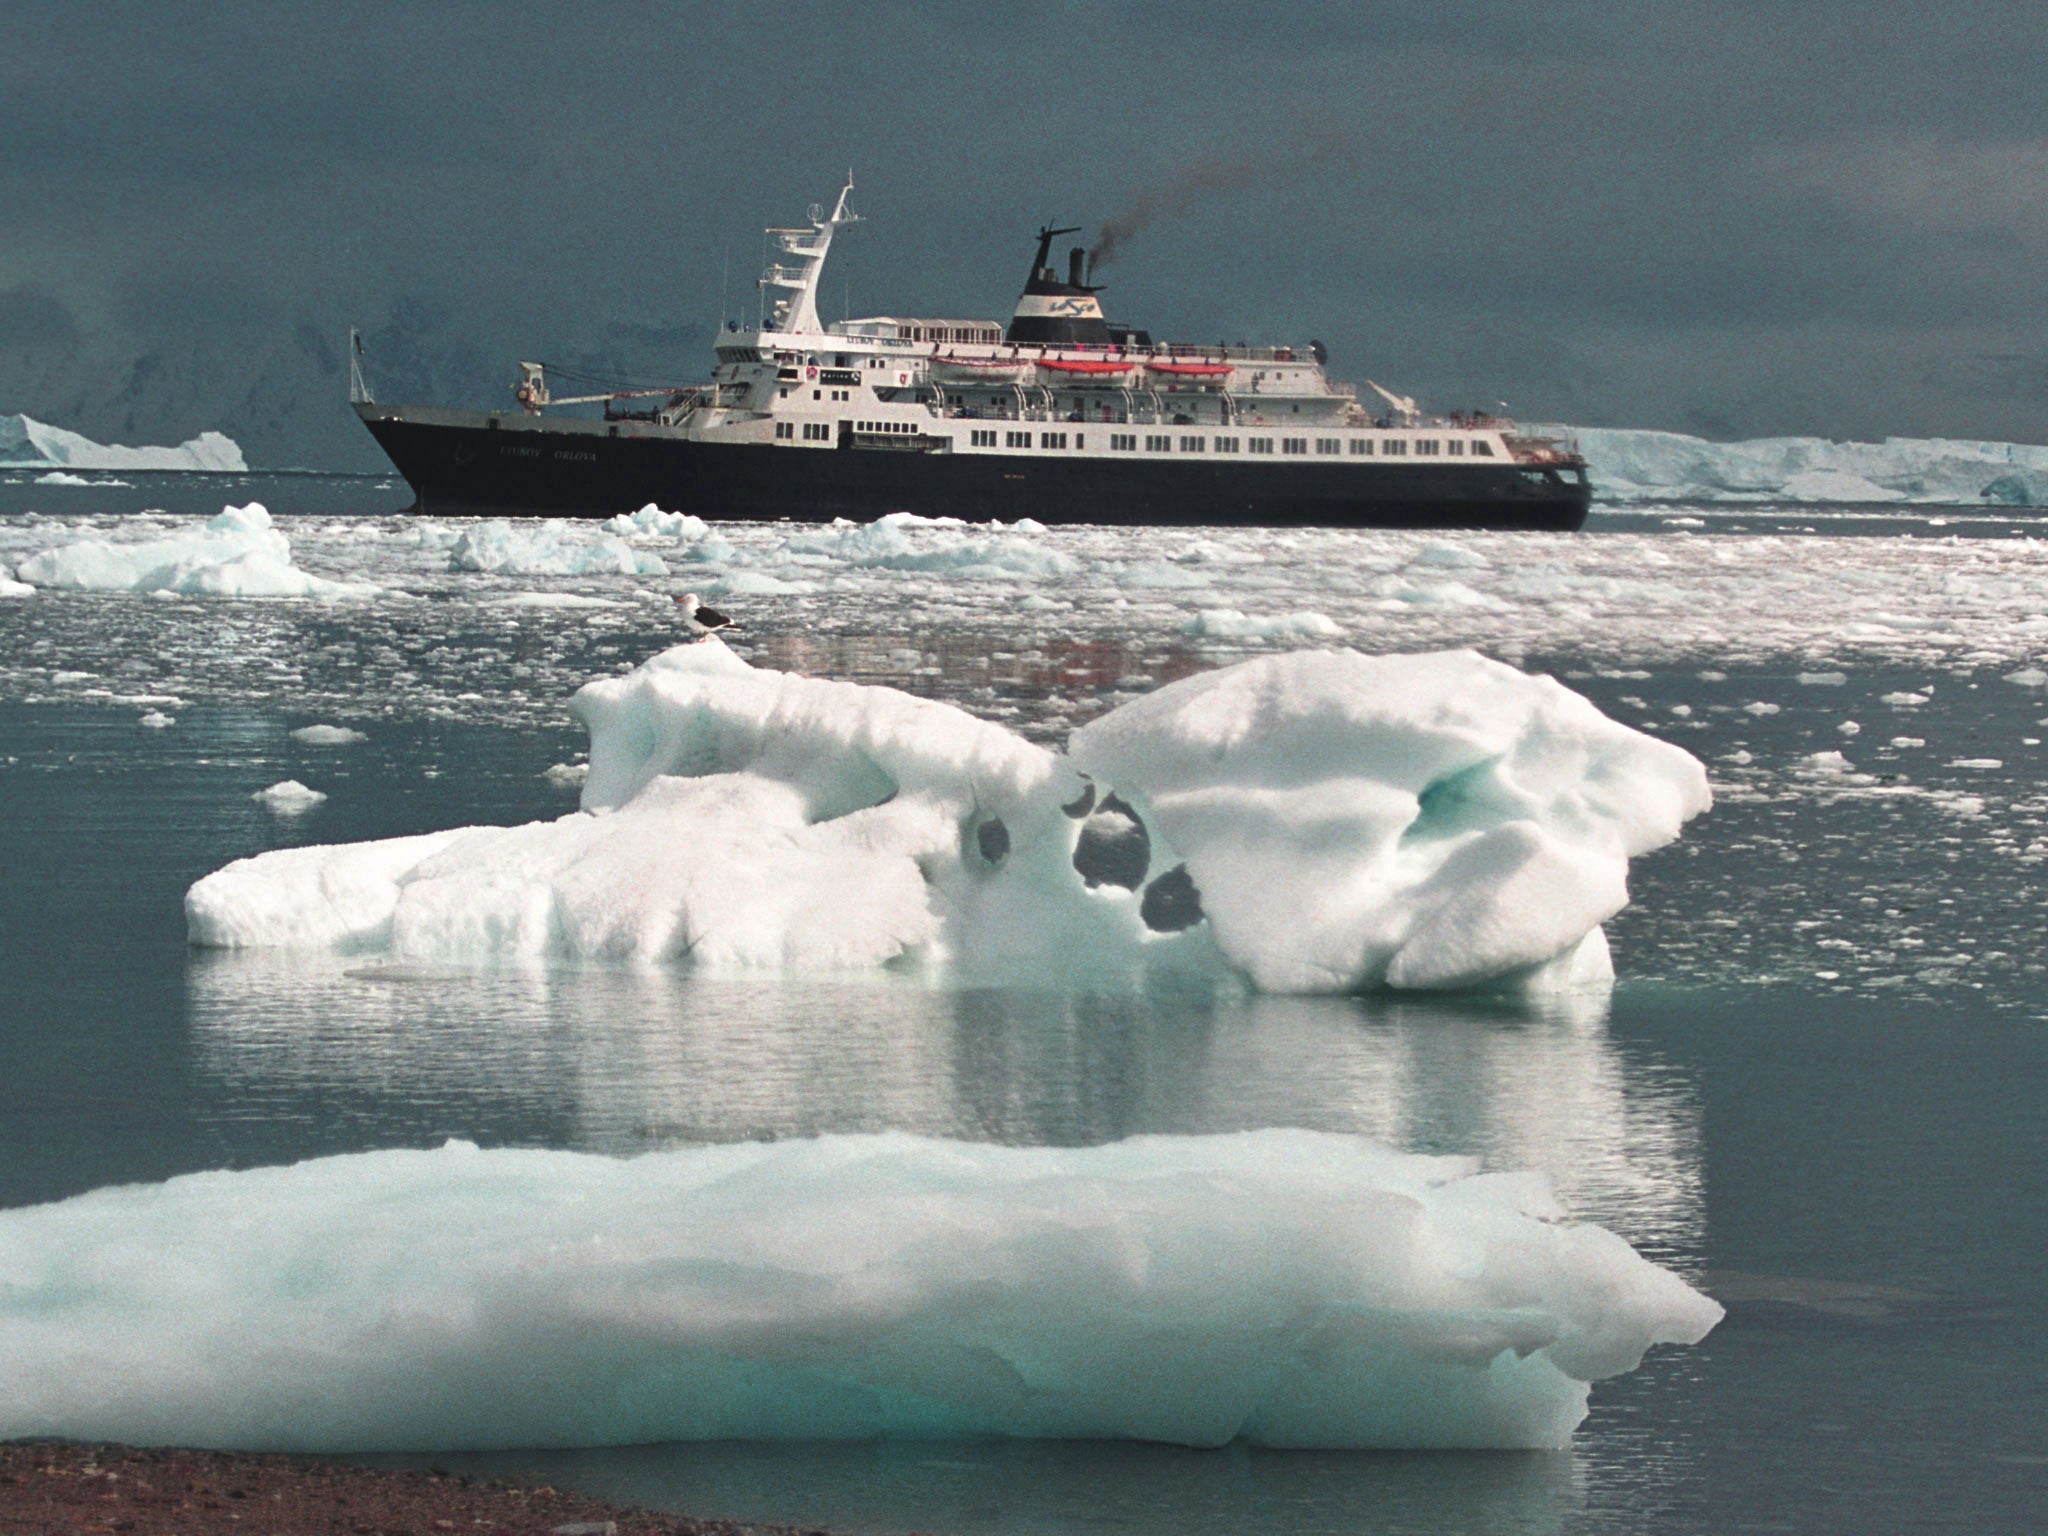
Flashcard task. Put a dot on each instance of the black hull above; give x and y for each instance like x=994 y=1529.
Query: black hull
x=472 y=463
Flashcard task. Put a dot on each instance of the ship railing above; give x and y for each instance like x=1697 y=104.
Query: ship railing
x=786 y=277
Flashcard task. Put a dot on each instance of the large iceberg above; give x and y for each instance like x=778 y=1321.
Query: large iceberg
x=1290 y=1288
x=30 y=444
x=1627 y=465
x=239 y=553
x=1316 y=821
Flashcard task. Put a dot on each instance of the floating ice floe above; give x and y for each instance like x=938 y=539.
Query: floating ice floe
x=9 y=587
x=288 y=798
x=1288 y=1288
x=1316 y=821
x=549 y=549
x=889 y=544
x=327 y=736
x=236 y=554
x=1232 y=624
x=1627 y=465
x=25 y=441
x=651 y=520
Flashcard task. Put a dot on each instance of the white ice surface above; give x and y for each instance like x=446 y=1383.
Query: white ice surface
x=1628 y=465
x=549 y=549
x=26 y=441
x=1289 y=1288
x=327 y=736
x=1433 y=821
x=288 y=797
x=239 y=553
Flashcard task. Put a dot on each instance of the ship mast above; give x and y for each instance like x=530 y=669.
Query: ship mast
x=799 y=259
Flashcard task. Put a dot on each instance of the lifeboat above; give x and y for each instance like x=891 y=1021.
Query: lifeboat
x=980 y=370
x=1085 y=367
x=1191 y=371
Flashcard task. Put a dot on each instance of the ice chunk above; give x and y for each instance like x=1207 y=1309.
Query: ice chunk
x=26 y=441
x=155 y=720
x=12 y=588
x=327 y=736
x=1289 y=1288
x=288 y=798
x=1320 y=821
x=549 y=549
x=237 y=554
x=651 y=520
x=1231 y=624
x=904 y=542
x=1418 y=821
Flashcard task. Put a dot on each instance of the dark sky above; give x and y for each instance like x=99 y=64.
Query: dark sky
x=1732 y=219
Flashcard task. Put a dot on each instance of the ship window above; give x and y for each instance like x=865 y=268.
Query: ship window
x=1226 y=445
x=1294 y=445
x=783 y=393
x=1123 y=442
x=1193 y=445
x=1261 y=445
x=1455 y=447
x=1329 y=445
x=1483 y=450
x=1361 y=446
x=1080 y=441
x=817 y=394
x=1426 y=445
x=1395 y=447
x=1018 y=439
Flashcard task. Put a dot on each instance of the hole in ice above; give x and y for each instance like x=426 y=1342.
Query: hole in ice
x=1113 y=848
x=993 y=839
x=1081 y=807
x=1171 y=902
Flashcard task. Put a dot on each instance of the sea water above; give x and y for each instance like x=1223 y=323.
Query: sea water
x=1816 y=1089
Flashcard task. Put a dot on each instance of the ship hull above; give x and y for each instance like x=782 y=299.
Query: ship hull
x=461 y=462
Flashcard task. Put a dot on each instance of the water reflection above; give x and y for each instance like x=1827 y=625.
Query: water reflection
x=618 y=1061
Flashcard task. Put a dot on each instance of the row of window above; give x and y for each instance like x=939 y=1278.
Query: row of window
x=1361 y=447
x=886 y=426
x=814 y=431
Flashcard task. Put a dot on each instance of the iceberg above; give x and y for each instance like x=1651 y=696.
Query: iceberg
x=1628 y=466
x=1318 y=821
x=239 y=553
x=1283 y=1287
x=30 y=444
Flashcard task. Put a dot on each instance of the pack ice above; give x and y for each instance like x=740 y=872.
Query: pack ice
x=24 y=441
x=1316 y=821
x=1291 y=1288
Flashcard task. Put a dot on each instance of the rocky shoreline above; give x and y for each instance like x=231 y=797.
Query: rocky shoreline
x=63 y=1488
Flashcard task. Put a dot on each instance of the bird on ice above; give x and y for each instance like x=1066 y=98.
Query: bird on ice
x=702 y=621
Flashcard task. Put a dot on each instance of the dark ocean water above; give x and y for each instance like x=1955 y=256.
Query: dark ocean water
x=1818 y=1089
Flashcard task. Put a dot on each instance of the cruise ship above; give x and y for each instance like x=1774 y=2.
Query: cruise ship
x=1062 y=416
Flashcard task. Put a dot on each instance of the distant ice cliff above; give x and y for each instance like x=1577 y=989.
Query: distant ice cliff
x=30 y=444
x=1635 y=466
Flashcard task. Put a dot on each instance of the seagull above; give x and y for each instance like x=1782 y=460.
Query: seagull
x=702 y=621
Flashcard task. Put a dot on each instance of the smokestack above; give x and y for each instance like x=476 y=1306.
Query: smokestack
x=1074 y=259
